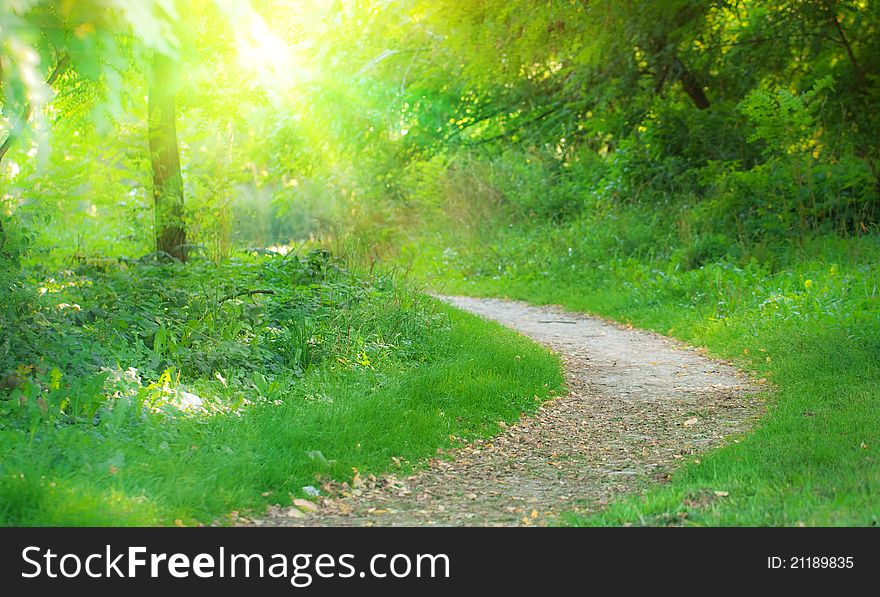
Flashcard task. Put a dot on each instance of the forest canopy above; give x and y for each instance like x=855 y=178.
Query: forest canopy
x=210 y=203
x=294 y=109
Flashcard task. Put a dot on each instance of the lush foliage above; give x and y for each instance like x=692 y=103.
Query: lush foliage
x=709 y=168
x=160 y=392
x=298 y=120
x=807 y=327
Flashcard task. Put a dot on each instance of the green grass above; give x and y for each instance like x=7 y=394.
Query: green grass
x=414 y=376
x=810 y=325
x=369 y=373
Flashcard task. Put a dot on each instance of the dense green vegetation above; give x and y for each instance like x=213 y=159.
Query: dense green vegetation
x=206 y=199
x=809 y=329
x=163 y=392
x=747 y=224
x=158 y=363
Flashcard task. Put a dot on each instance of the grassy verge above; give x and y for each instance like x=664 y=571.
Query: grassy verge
x=333 y=371
x=807 y=324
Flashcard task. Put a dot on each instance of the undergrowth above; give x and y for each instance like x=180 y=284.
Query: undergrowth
x=155 y=393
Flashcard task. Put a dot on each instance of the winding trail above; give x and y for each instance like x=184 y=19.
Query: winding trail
x=638 y=404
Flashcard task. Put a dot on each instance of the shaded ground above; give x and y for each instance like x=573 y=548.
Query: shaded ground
x=638 y=403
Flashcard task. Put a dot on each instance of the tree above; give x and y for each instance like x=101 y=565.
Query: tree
x=95 y=40
x=168 y=199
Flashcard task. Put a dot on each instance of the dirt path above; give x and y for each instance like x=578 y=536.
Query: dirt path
x=638 y=404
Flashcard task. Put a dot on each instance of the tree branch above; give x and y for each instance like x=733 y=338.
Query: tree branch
x=476 y=120
x=860 y=74
x=761 y=40
x=62 y=65
x=521 y=124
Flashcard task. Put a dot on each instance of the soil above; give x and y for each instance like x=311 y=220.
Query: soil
x=638 y=404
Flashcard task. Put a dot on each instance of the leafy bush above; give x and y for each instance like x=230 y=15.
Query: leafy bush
x=254 y=323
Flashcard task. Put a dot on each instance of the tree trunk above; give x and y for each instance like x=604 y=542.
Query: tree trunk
x=691 y=85
x=170 y=229
x=669 y=68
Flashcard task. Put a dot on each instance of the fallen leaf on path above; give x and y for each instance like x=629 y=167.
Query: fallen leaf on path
x=305 y=505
